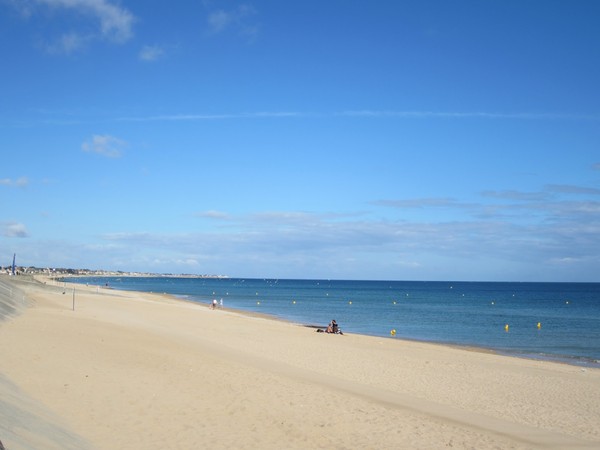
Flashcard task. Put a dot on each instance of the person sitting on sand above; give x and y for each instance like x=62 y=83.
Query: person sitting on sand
x=334 y=327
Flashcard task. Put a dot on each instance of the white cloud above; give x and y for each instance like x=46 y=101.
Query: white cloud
x=67 y=44
x=238 y=19
x=213 y=214
x=104 y=145
x=116 y=23
x=19 y=182
x=570 y=189
x=516 y=195
x=468 y=115
x=13 y=229
x=441 y=202
x=112 y=22
x=400 y=115
x=559 y=239
x=219 y=20
x=150 y=53
x=297 y=242
x=22 y=6
x=198 y=117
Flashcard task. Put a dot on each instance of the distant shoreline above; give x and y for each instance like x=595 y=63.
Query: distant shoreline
x=575 y=361
x=137 y=275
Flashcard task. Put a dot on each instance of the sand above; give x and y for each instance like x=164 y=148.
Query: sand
x=128 y=370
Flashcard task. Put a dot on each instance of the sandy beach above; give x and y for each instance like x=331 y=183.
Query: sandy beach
x=127 y=370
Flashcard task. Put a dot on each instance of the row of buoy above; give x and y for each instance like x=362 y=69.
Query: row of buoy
x=393 y=331
x=538 y=326
x=394 y=302
x=506 y=328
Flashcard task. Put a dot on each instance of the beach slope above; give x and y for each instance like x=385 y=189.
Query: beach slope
x=130 y=370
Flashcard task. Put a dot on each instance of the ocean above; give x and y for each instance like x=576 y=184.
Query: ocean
x=552 y=321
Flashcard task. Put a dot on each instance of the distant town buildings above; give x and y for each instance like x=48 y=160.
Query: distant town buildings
x=60 y=272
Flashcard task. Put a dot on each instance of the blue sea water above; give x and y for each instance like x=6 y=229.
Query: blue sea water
x=459 y=313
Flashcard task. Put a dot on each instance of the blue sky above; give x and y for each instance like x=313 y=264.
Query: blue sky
x=405 y=140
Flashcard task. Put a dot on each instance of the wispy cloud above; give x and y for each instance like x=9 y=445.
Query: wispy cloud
x=104 y=145
x=552 y=204
x=365 y=114
x=199 y=117
x=13 y=229
x=213 y=214
x=67 y=43
x=321 y=244
x=239 y=20
x=115 y=22
x=516 y=195
x=19 y=182
x=500 y=237
x=256 y=115
x=219 y=20
x=570 y=189
x=440 y=202
x=469 y=115
x=151 y=53
x=112 y=22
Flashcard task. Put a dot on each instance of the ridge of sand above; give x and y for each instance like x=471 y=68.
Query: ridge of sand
x=130 y=370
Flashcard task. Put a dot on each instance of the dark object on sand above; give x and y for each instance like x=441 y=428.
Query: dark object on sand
x=332 y=328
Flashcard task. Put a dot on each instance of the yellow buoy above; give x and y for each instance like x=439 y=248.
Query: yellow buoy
x=539 y=325
x=506 y=327
x=393 y=332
